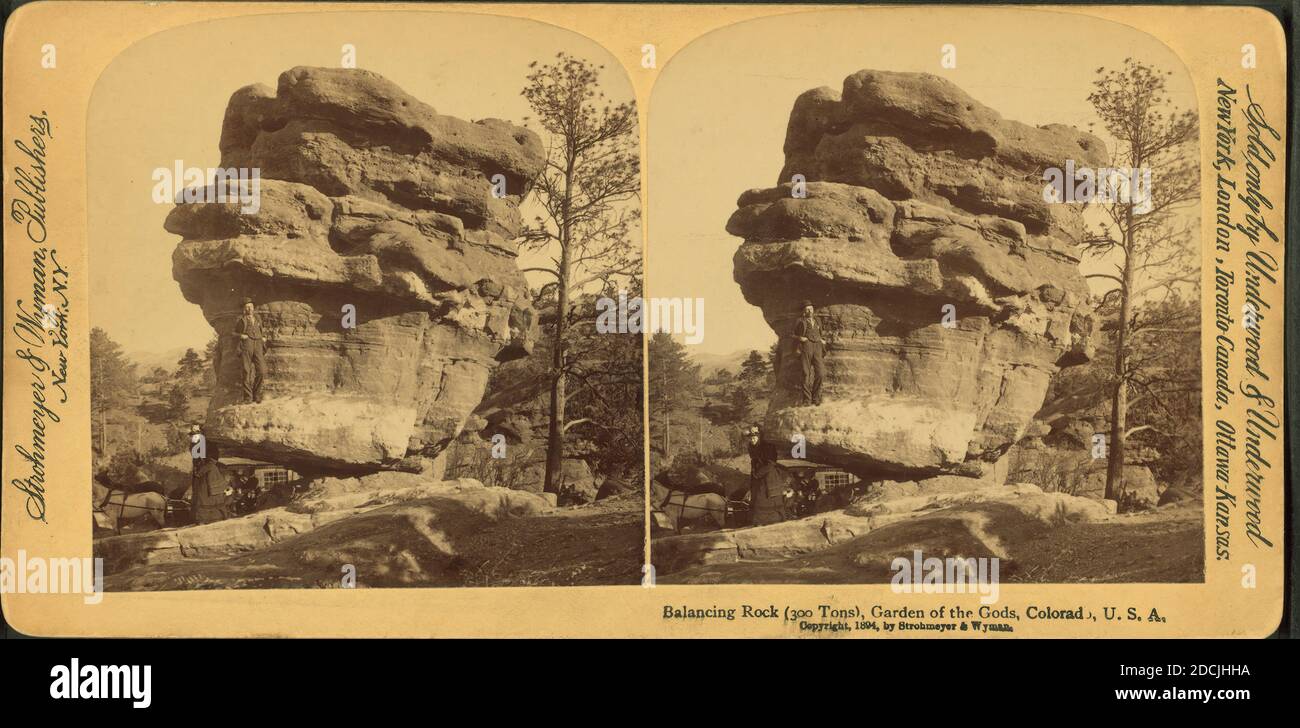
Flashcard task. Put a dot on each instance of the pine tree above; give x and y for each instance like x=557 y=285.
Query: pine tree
x=592 y=171
x=674 y=382
x=755 y=367
x=112 y=380
x=1152 y=246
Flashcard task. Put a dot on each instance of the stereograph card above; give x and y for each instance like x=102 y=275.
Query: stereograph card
x=631 y=320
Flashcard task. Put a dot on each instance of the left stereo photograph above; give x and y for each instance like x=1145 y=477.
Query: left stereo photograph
x=343 y=306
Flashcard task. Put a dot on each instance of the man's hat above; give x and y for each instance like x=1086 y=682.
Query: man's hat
x=806 y=303
x=247 y=300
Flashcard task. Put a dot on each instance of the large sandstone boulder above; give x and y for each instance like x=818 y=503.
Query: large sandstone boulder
x=371 y=203
x=917 y=198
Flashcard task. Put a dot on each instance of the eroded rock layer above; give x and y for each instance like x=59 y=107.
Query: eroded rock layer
x=370 y=203
x=913 y=218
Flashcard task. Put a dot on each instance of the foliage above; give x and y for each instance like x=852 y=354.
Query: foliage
x=674 y=384
x=742 y=404
x=721 y=375
x=754 y=367
x=190 y=367
x=178 y=402
x=604 y=405
x=470 y=457
x=112 y=376
x=113 y=382
x=125 y=469
x=592 y=169
x=1164 y=412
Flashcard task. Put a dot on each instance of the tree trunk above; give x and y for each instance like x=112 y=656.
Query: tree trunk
x=668 y=418
x=555 y=432
x=1119 y=401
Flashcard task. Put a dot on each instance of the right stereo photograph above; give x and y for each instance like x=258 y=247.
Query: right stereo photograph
x=951 y=274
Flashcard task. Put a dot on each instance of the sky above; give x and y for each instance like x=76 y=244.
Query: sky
x=717 y=119
x=718 y=114
x=164 y=99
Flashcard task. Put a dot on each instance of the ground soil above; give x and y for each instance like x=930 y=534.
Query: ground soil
x=1165 y=545
x=428 y=543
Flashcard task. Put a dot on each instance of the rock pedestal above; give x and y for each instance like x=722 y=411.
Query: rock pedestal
x=914 y=219
x=379 y=259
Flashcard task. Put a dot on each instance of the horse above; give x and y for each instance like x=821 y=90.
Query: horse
x=681 y=507
x=112 y=507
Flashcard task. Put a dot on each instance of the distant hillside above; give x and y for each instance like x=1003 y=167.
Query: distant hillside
x=146 y=361
x=710 y=363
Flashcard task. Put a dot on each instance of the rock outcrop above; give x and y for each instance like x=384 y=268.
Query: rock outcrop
x=390 y=529
x=1037 y=537
x=464 y=503
x=971 y=520
x=914 y=219
x=374 y=205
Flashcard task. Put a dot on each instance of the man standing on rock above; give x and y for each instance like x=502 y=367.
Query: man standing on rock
x=251 y=353
x=808 y=347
